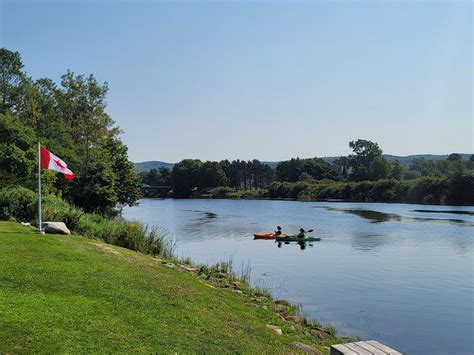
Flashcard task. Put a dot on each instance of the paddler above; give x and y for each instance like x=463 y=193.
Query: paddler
x=301 y=234
x=278 y=231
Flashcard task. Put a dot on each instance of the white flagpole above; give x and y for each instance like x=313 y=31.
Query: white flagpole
x=39 y=189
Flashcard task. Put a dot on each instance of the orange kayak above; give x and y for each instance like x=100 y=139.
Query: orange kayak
x=268 y=236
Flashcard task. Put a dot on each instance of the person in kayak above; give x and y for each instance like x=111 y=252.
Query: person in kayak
x=278 y=231
x=301 y=234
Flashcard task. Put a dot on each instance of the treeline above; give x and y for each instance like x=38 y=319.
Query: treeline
x=191 y=175
x=365 y=175
x=70 y=119
x=457 y=190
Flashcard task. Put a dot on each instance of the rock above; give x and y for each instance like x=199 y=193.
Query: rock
x=275 y=329
x=26 y=224
x=283 y=302
x=237 y=291
x=189 y=268
x=55 y=228
x=306 y=348
x=168 y=264
x=282 y=315
x=320 y=333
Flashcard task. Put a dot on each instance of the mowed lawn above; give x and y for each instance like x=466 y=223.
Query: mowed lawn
x=72 y=294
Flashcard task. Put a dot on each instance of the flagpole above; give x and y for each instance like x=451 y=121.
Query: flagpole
x=39 y=189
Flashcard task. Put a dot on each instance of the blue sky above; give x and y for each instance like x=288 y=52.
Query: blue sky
x=262 y=79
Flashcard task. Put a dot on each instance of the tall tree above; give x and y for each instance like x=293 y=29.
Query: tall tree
x=186 y=177
x=11 y=78
x=211 y=174
x=128 y=182
x=367 y=162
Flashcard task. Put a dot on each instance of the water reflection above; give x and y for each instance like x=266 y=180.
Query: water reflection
x=380 y=217
x=373 y=216
x=468 y=213
x=302 y=244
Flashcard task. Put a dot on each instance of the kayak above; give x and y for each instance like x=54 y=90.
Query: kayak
x=296 y=239
x=268 y=236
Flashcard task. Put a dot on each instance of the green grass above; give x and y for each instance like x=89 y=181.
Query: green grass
x=73 y=294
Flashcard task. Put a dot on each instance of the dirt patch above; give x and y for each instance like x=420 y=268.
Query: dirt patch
x=107 y=248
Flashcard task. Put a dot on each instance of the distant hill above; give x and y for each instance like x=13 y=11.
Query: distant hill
x=153 y=164
x=404 y=160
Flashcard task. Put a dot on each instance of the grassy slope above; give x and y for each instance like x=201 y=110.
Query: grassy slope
x=68 y=293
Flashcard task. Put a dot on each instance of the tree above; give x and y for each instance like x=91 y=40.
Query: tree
x=317 y=168
x=11 y=77
x=397 y=170
x=367 y=162
x=17 y=153
x=128 y=182
x=454 y=157
x=211 y=174
x=342 y=163
x=470 y=162
x=97 y=191
x=186 y=177
x=423 y=166
x=72 y=122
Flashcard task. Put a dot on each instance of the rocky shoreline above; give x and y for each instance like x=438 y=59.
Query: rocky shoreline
x=290 y=319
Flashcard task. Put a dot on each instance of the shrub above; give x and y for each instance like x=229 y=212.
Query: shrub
x=125 y=234
x=56 y=209
x=18 y=202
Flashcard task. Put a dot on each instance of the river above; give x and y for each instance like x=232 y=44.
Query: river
x=397 y=273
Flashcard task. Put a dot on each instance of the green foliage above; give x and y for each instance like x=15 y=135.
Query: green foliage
x=367 y=162
x=157 y=177
x=211 y=174
x=22 y=204
x=72 y=122
x=397 y=170
x=186 y=177
x=128 y=182
x=56 y=209
x=454 y=157
x=17 y=154
x=316 y=168
x=11 y=80
x=19 y=203
x=426 y=190
x=470 y=162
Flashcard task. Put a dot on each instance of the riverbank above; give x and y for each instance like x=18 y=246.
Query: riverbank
x=428 y=190
x=74 y=294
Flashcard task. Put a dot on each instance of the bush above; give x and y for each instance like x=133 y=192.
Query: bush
x=128 y=235
x=19 y=203
x=56 y=209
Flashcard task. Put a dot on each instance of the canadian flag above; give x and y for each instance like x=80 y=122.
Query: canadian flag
x=51 y=162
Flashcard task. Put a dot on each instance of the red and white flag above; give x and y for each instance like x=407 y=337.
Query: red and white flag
x=51 y=162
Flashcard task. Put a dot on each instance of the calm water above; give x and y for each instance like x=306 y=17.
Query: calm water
x=381 y=271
